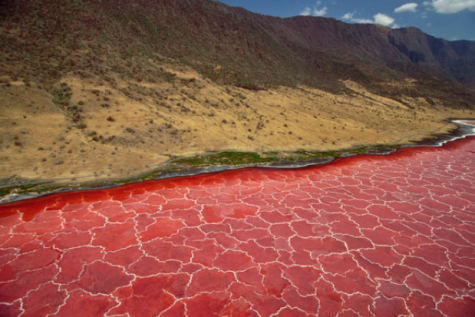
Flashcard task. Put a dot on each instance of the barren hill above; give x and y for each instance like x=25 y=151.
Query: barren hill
x=114 y=88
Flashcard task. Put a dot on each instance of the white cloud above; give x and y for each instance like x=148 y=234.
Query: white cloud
x=348 y=16
x=383 y=19
x=363 y=21
x=379 y=18
x=320 y=13
x=316 y=10
x=451 y=6
x=408 y=7
x=306 y=11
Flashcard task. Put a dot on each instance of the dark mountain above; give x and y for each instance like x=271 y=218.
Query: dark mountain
x=43 y=40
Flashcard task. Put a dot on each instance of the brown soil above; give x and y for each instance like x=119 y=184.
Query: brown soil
x=120 y=130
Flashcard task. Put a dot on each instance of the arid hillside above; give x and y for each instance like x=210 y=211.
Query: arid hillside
x=94 y=90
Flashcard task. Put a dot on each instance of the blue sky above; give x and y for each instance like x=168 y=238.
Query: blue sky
x=448 y=19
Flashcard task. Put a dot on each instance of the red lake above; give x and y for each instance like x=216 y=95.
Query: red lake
x=368 y=235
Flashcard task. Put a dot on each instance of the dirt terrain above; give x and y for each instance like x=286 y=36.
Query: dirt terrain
x=91 y=130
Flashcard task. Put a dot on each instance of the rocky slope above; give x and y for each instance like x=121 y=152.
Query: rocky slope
x=226 y=44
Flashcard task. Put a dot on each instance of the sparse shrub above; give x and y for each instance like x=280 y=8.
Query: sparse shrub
x=62 y=95
x=76 y=117
x=247 y=83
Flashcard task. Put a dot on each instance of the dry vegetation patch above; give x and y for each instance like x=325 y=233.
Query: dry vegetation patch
x=89 y=129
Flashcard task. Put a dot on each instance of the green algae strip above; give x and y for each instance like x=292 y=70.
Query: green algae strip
x=229 y=159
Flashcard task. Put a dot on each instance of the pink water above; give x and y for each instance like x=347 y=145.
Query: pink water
x=364 y=236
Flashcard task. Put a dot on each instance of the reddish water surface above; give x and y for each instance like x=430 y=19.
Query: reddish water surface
x=364 y=236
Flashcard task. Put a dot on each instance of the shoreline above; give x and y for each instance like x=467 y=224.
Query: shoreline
x=281 y=160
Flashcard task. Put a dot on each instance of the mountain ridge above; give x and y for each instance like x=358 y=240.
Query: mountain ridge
x=247 y=44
